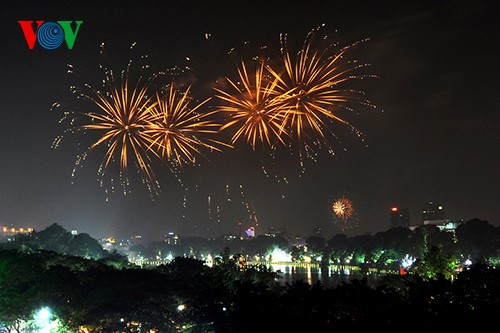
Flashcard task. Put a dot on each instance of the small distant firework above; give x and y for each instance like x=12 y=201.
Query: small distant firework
x=343 y=213
x=252 y=110
x=343 y=208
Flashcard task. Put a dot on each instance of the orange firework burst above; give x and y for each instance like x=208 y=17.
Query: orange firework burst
x=310 y=93
x=124 y=114
x=343 y=213
x=343 y=208
x=116 y=117
x=138 y=125
x=253 y=111
x=174 y=129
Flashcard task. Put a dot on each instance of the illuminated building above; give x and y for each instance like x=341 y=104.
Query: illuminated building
x=432 y=211
x=250 y=232
x=12 y=231
x=282 y=232
x=171 y=238
x=134 y=240
x=228 y=238
x=399 y=217
x=445 y=225
x=107 y=243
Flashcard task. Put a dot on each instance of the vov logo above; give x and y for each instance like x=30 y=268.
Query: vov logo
x=50 y=35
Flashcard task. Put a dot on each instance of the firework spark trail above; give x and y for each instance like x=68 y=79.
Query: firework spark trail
x=209 y=208
x=218 y=211
x=228 y=198
x=219 y=207
x=246 y=205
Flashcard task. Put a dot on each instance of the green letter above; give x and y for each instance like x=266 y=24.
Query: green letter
x=69 y=34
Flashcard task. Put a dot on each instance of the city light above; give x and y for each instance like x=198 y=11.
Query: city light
x=407 y=261
x=45 y=321
x=278 y=255
x=43 y=315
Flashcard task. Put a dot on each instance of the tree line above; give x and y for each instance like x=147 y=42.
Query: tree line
x=185 y=295
x=473 y=241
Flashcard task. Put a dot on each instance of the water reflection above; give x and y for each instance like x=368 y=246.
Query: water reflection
x=329 y=277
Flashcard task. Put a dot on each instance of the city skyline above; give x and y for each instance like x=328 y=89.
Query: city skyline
x=431 y=136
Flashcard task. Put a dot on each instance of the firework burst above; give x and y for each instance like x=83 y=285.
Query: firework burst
x=124 y=115
x=119 y=113
x=174 y=130
x=343 y=212
x=310 y=90
x=343 y=208
x=253 y=112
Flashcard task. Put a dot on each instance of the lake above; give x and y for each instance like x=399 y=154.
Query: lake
x=330 y=277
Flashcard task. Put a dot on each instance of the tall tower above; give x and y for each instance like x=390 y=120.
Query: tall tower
x=399 y=217
x=432 y=211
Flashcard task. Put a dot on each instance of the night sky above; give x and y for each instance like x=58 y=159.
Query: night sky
x=433 y=135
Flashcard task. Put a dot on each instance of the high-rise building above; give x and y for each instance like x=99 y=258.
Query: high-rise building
x=172 y=238
x=432 y=211
x=277 y=232
x=399 y=217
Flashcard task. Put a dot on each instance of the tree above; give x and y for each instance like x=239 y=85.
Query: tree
x=435 y=263
x=426 y=236
x=478 y=240
x=396 y=239
x=19 y=287
x=54 y=238
x=82 y=245
x=262 y=245
x=394 y=245
x=338 y=248
x=362 y=247
x=297 y=253
x=115 y=259
x=316 y=247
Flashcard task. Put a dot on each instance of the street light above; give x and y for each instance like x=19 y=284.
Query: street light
x=43 y=319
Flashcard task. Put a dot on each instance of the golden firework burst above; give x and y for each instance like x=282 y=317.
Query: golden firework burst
x=344 y=213
x=123 y=115
x=343 y=208
x=253 y=112
x=175 y=130
x=309 y=90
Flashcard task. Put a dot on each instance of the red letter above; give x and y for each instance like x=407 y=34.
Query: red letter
x=29 y=33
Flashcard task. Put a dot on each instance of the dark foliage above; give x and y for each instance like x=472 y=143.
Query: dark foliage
x=227 y=298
